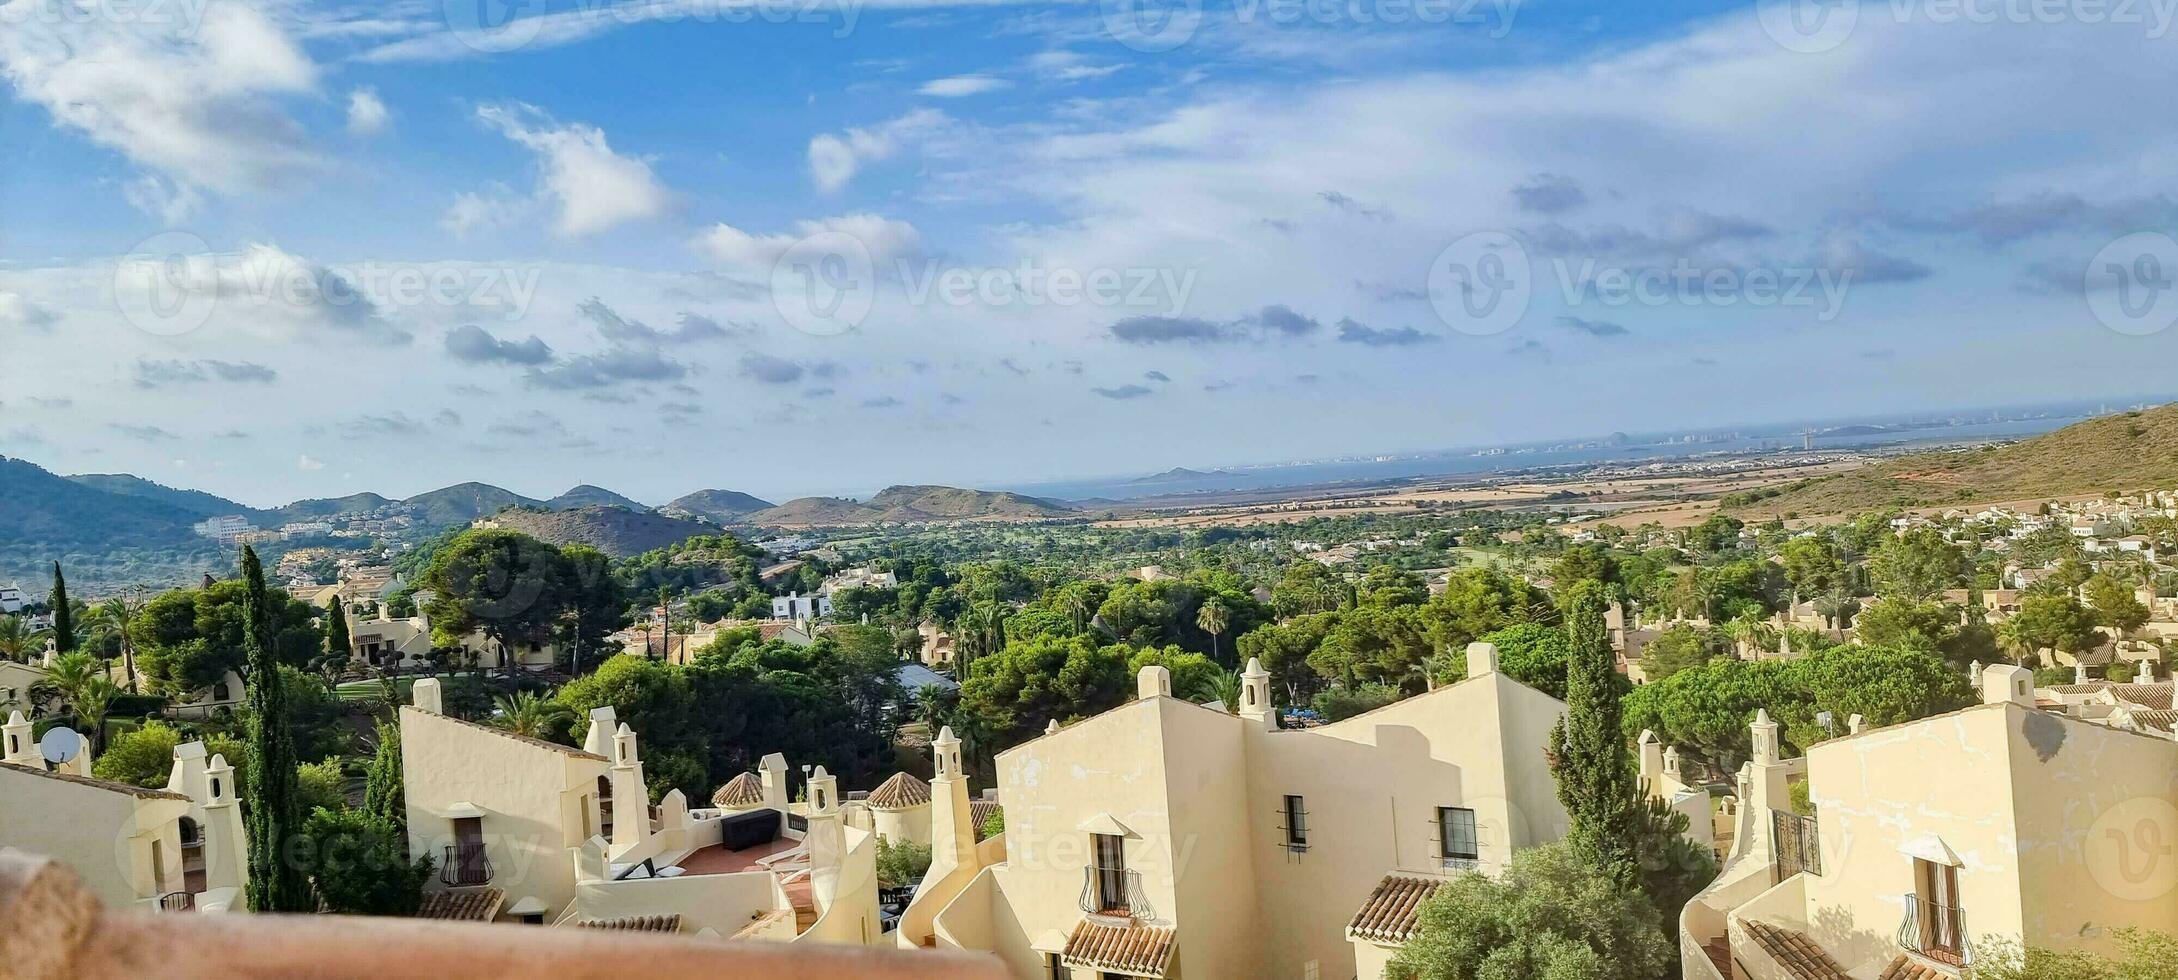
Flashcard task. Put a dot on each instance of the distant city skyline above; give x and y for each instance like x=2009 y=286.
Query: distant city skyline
x=278 y=249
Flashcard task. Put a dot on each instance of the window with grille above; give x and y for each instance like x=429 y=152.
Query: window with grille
x=1456 y=841
x=1296 y=824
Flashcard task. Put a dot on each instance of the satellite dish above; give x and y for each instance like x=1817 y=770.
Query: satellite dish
x=60 y=745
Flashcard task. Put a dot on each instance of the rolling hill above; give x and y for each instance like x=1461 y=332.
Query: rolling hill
x=616 y=531
x=98 y=534
x=720 y=506
x=462 y=503
x=591 y=496
x=2128 y=451
x=323 y=507
x=194 y=501
x=910 y=505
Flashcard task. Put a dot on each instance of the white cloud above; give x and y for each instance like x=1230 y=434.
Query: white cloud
x=306 y=463
x=594 y=187
x=18 y=313
x=959 y=86
x=494 y=207
x=367 y=115
x=834 y=159
x=273 y=290
x=885 y=238
x=202 y=106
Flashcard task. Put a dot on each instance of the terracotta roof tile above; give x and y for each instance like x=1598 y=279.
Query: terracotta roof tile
x=669 y=922
x=1800 y=957
x=980 y=811
x=1393 y=909
x=465 y=905
x=1905 y=968
x=2154 y=720
x=2152 y=696
x=740 y=792
x=1130 y=947
x=900 y=792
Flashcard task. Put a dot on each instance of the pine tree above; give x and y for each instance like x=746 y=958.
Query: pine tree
x=336 y=630
x=64 y=615
x=382 y=793
x=276 y=883
x=1597 y=781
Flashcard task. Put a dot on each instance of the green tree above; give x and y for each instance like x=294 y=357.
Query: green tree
x=902 y=864
x=597 y=604
x=505 y=584
x=1811 y=566
x=338 y=650
x=1554 y=915
x=360 y=864
x=143 y=757
x=64 y=613
x=1531 y=653
x=1583 y=563
x=2114 y=603
x=532 y=715
x=1213 y=618
x=2049 y=622
x=1677 y=648
x=2140 y=955
x=383 y=793
x=1596 y=778
x=1908 y=624
x=275 y=884
x=320 y=786
x=14 y=638
x=1916 y=566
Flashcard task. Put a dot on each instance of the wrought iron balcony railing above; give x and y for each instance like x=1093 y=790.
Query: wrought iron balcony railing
x=1935 y=931
x=465 y=864
x=177 y=902
x=1114 y=891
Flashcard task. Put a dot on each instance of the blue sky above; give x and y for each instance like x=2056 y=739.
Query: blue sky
x=275 y=248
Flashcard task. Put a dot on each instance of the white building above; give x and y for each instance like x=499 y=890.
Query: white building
x=798 y=606
x=11 y=599
x=224 y=529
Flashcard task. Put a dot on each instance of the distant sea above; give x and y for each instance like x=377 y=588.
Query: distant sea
x=1464 y=462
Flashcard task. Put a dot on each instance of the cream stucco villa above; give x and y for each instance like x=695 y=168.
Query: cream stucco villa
x=527 y=830
x=1166 y=839
x=2002 y=821
x=176 y=849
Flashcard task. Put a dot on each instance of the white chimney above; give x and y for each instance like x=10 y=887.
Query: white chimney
x=1481 y=659
x=1153 y=682
x=426 y=697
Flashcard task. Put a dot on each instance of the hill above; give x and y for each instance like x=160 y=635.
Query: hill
x=1179 y=474
x=616 y=531
x=319 y=508
x=591 y=496
x=720 y=506
x=194 y=501
x=2129 y=451
x=99 y=535
x=462 y=503
x=911 y=505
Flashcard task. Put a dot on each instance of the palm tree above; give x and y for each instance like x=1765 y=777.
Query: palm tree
x=111 y=617
x=90 y=702
x=1213 y=619
x=1074 y=601
x=530 y=714
x=14 y=637
x=1224 y=685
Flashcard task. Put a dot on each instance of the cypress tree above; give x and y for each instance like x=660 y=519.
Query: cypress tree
x=1597 y=781
x=64 y=616
x=382 y=794
x=336 y=632
x=277 y=883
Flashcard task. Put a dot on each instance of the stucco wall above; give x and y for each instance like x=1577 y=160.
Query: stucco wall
x=529 y=793
x=103 y=835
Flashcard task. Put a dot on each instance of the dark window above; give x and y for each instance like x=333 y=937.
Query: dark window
x=1456 y=836
x=1111 y=858
x=1296 y=825
x=1056 y=967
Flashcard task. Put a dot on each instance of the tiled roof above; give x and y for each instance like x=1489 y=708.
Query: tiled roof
x=126 y=789
x=670 y=922
x=739 y=792
x=1905 y=968
x=2154 y=696
x=2154 y=720
x=1797 y=954
x=1131 y=948
x=466 y=905
x=980 y=811
x=900 y=792
x=1393 y=909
